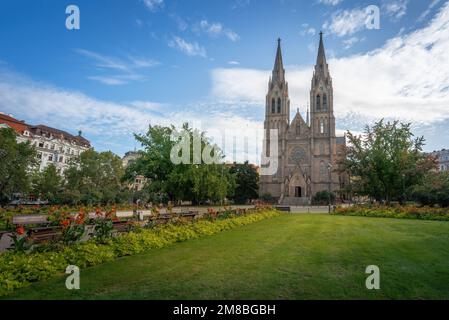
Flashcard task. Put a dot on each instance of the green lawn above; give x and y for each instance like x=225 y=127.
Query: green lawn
x=289 y=257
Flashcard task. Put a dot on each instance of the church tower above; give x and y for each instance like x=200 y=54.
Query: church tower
x=277 y=116
x=323 y=138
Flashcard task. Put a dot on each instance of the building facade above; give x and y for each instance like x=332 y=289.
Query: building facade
x=442 y=157
x=308 y=149
x=53 y=146
x=139 y=180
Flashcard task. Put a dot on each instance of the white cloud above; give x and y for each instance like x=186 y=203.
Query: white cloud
x=189 y=48
x=330 y=2
x=107 y=122
x=153 y=5
x=407 y=78
x=233 y=63
x=433 y=4
x=127 y=68
x=349 y=43
x=396 y=9
x=307 y=30
x=346 y=22
x=216 y=29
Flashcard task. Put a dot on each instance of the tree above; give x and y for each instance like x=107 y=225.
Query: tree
x=323 y=198
x=247 y=181
x=434 y=190
x=95 y=178
x=15 y=161
x=386 y=162
x=194 y=181
x=47 y=184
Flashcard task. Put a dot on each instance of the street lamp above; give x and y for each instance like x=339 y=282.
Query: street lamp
x=329 y=168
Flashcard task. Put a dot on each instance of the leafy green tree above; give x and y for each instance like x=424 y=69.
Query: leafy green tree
x=247 y=181
x=434 y=190
x=47 y=184
x=195 y=181
x=95 y=178
x=16 y=159
x=386 y=162
x=323 y=198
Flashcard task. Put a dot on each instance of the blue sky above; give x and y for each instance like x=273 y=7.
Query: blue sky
x=168 y=61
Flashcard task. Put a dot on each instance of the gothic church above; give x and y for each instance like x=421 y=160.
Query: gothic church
x=308 y=149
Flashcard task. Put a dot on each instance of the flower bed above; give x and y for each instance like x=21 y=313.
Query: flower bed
x=398 y=212
x=20 y=269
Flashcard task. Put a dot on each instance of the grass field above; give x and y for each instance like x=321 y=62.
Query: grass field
x=290 y=257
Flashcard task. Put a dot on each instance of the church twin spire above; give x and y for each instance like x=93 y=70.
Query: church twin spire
x=278 y=70
x=321 y=67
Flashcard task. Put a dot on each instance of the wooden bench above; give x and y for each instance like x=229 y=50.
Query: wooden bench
x=189 y=216
x=161 y=218
x=43 y=233
x=284 y=209
x=121 y=226
x=25 y=220
x=40 y=235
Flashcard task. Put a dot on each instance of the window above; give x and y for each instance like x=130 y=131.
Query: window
x=39 y=155
x=318 y=102
x=298 y=129
x=273 y=106
x=323 y=170
x=61 y=159
x=279 y=105
x=321 y=126
x=41 y=144
x=52 y=147
x=324 y=102
x=50 y=157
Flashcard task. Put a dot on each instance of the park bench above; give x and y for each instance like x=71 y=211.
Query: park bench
x=284 y=209
x=189 y=216
x=25 y=220
x=121 y=226
x=45 y=234
x=161 y=218
x=40 y=234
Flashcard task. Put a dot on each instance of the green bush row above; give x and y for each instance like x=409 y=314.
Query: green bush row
x=398 y=212
x=19 y=270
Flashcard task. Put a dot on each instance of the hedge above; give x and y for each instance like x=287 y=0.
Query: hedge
x=19 y=270
x=397 y=212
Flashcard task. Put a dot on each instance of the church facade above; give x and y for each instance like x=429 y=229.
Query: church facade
x=308 y=149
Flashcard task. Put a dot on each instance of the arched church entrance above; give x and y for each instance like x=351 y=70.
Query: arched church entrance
x=297 y=186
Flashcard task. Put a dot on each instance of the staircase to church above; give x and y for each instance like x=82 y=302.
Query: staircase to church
x=292 y=201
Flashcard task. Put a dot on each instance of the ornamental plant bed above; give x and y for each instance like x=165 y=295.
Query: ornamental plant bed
x=397 y=212
x=19 y=269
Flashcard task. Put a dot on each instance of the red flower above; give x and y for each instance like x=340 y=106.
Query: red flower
x=20 y=230
x=65 y=223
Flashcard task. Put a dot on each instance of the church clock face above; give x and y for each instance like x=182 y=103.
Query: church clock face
x=297 y=155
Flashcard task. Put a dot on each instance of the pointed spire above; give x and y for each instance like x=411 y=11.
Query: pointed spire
x=321 y=53
x=321 y=63
x=278 y=70
x=308 y=115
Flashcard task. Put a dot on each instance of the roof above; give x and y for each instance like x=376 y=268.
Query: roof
x=17 y=125
x=341 y=141
x=42 y=130
x=20 y=126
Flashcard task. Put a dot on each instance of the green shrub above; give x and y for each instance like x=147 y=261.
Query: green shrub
x=398 y=212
